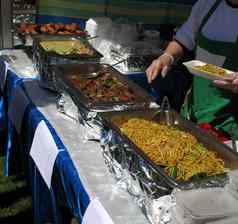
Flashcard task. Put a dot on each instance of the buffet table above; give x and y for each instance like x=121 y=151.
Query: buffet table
x=79 y=174
x=67 y=171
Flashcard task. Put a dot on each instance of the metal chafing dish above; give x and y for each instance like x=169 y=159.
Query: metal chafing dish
x=151 y=178
x=44 y=59
x=137 y=56
x=63 y=73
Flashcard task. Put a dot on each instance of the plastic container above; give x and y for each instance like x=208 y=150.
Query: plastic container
x=227 y=220
x=175 y=217
x=232 y=187
x=204 y=205
x=233 y=176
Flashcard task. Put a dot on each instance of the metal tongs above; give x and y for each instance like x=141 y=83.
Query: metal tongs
x=164 y=114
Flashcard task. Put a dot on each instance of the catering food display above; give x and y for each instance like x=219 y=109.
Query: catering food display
x=150 y=149
x=206 y=70
x=100 y=87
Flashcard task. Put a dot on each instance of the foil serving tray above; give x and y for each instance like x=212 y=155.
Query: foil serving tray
x=63 y=73
x=229 y=157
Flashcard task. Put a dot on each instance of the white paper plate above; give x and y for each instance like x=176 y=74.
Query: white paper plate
x=191 y=67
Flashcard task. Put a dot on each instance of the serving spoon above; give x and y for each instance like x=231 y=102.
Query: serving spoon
x=93 y=75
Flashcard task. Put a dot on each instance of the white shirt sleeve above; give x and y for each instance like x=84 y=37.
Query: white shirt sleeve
x=186 y=35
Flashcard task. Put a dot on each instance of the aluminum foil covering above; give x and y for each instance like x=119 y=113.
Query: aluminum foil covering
x=20 y=62
x=92 y=124
x=136 y=176
x=66 y=106
x=135 y=64
x=132 y=57
x=136 y=48
x=92 y=127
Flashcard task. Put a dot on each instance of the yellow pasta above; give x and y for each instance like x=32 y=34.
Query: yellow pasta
x=178 y=151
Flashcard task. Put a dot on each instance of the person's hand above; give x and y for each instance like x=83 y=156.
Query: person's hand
x=230 y=83
x=160 y=64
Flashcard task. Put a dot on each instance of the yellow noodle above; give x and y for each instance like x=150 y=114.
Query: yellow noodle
x=170 y=147
x=211 y=69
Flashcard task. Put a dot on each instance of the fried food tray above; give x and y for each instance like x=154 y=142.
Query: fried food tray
x=229 y=157
x=28 y=31
x=63 y=73
x=51 y=29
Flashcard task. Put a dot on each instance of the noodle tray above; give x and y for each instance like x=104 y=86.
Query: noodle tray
x=100 y=87
x=54 y=50
x=154 y=171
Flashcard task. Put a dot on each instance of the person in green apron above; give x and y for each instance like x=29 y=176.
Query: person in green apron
x=212 y=32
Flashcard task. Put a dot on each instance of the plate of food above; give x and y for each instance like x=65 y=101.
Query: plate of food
x=207 y=70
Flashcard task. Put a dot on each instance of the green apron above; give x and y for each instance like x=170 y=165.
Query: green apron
x=207 y=103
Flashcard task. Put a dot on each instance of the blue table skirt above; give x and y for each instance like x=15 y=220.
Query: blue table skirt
x=66 y=188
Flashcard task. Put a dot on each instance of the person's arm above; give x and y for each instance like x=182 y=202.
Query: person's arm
x=174 y=49
x=184 y=39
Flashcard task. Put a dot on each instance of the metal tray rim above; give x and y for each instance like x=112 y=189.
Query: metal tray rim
x=37 y=39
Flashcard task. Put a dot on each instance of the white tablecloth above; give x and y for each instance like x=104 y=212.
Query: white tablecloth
x=88 y=160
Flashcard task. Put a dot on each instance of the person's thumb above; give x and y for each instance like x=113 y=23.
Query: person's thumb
x=164 y=71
